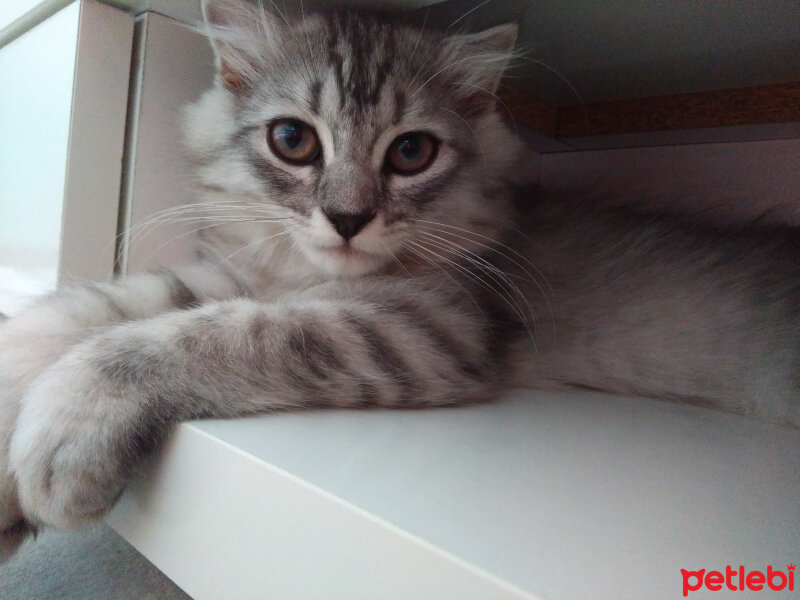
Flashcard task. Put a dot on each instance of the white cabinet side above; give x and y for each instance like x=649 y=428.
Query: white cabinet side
x=97 y=131
x=175 y=66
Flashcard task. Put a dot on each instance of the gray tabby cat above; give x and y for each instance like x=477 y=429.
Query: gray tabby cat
x=375 y=246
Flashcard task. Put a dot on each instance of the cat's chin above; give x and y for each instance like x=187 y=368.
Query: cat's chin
x=345 y=260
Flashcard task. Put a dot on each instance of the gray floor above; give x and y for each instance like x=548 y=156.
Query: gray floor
x=93 y=564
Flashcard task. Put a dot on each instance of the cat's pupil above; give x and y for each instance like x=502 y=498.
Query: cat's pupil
x=292 y=135
x=409 y=147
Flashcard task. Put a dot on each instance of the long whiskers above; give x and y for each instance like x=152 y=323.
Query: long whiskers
x=473 y=276
x=396 y=259
x=472 y=131
x=215 y=210
x=469 y=12
x=196 y=230
x=555 y=72
x=474 y=258
x=205 y=214
x=497 y=98
x=493 y=245
x=246 y=246
x=426 y=227
x=407 y=246
x=512 y=291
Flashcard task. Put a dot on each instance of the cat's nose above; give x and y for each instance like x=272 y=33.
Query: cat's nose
x=348 y=225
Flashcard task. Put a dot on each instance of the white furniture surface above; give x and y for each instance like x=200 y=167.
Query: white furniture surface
x=544 y=495
x=173 y=66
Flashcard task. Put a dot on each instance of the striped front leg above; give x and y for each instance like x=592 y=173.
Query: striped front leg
x=43 y=333
x=92 y=416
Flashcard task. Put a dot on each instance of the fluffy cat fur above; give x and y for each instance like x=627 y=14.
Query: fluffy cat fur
x=462 y=282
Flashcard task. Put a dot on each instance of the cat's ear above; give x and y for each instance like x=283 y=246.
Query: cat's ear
x=478 y=61
x=241 y=34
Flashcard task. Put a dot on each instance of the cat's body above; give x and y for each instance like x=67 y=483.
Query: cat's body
x=371 y=244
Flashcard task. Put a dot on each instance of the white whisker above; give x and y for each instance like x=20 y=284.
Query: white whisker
x=469 y=12
x=446 y=274
x=487 y=286
x=502 y=279
x=557 y=74
x=497 y=98
x=246 y=246
x=471 y=130
x=493 y=248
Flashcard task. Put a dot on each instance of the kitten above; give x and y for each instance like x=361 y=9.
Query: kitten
x=375 y=246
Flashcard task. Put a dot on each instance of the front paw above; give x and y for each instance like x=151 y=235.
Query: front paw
x=78 y=435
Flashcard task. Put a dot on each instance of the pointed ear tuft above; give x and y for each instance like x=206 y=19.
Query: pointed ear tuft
x=241 y=34
x=479 y=61
x=500 y=39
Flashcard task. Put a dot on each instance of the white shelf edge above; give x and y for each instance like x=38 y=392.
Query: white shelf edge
x=161 y=515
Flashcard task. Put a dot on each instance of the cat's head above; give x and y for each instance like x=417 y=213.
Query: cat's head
x=366 y=136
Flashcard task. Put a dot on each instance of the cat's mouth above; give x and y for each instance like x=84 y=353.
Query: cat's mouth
x=346 y=251
x=345 y=259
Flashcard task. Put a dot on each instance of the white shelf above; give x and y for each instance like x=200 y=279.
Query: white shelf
x=544 y=495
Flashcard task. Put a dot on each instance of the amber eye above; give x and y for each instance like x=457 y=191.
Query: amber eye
x=411 y=153
x=293 y=141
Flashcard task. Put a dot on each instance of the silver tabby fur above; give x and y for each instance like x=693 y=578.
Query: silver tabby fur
x=467 y=281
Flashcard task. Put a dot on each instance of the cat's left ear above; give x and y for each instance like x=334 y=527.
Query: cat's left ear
x=478 y=62
x=241 y=34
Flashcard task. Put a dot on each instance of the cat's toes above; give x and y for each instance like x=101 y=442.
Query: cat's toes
x=13 y=528
x=66 y=453
x=66 y=483
x=12 y=537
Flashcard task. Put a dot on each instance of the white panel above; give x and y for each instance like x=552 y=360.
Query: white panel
x=37 y=72
x=562 y=495
x=175 y=67
x=96 y=142
x=224 y=524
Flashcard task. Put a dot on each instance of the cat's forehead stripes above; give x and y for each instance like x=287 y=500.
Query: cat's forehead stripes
x=399 y=106
x=315 y=96
x=360 y=53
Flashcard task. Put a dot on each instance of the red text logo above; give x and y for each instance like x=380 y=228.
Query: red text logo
x=738 y=579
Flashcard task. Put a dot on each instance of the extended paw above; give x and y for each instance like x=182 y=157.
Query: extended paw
x=75 y=442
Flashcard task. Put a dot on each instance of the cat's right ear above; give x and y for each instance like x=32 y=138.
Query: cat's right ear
x=477 y=62
x=241 y=34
